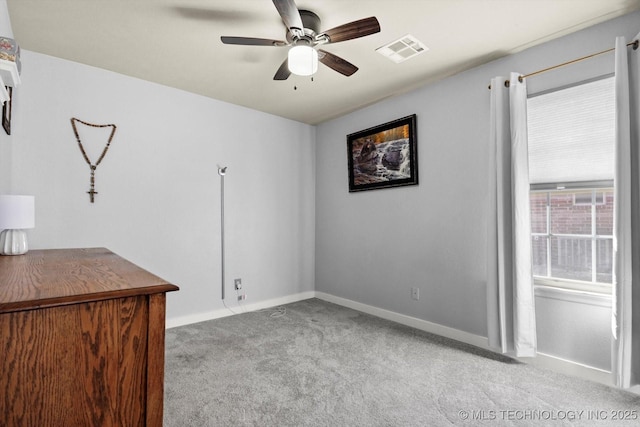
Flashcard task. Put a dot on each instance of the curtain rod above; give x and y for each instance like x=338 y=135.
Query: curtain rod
x=634 y=43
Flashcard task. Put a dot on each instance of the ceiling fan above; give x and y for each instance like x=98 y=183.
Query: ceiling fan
x=303 y=35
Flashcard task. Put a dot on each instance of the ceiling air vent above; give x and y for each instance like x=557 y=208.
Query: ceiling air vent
x=402 y=49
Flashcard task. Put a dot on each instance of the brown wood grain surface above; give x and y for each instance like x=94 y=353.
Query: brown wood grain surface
x=51 y=277
x=155 y=362
x=81 y=362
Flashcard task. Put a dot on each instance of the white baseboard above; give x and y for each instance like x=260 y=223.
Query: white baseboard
x=216 y=314
x=564 y=366
x=541 y=360
x=414 y=322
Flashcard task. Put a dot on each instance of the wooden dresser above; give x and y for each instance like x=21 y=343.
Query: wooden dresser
x=81 y=340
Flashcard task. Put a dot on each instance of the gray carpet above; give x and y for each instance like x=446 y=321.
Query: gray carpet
x=321 y=364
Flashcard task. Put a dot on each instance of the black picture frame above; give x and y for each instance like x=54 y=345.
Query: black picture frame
x=6 y=112
x=384 y=156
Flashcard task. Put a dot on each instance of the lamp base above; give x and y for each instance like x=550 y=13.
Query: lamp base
x=13 y=242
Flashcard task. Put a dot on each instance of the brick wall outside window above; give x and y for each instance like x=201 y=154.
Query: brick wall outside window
x=566 y=244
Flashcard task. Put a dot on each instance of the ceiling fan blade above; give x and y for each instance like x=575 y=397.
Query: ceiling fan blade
x=290 y=15
x=336 y=63
x=353 y=30
x=252 y=41
x=283 y=72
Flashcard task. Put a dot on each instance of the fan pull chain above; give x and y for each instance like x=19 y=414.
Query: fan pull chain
x=296 y=87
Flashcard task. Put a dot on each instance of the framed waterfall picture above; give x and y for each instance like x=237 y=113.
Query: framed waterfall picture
x=384 y=156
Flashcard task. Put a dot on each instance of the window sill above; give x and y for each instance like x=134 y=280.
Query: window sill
x=573 y=285
x=572 y=295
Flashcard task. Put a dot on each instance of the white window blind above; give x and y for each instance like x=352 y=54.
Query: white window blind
x=571 y=134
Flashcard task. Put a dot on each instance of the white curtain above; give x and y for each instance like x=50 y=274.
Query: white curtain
x=626 y=241
x=4 y=95
x=510 y=300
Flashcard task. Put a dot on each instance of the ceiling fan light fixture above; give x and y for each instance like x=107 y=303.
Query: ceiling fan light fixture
x=303 y=60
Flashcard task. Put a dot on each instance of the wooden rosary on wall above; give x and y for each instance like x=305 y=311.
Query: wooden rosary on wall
x=92 y=191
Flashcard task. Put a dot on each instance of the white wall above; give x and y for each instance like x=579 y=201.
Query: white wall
x=159 y=190
x=581 y=327
x=5 y=162
x=373 y=246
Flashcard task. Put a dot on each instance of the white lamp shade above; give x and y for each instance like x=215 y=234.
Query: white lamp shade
x=17 y=212
x=303 y=60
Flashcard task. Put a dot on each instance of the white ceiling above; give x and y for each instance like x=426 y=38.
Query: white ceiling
x=177 y=43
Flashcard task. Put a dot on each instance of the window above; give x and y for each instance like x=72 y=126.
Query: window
x=586 y=198
x=571 y=140
x=572 y=243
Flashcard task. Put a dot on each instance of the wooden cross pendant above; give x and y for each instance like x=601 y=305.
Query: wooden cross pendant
x=91 y=193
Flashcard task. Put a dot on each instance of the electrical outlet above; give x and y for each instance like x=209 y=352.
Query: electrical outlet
x=415 y=293
x=237 y=284
x=242 y=297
